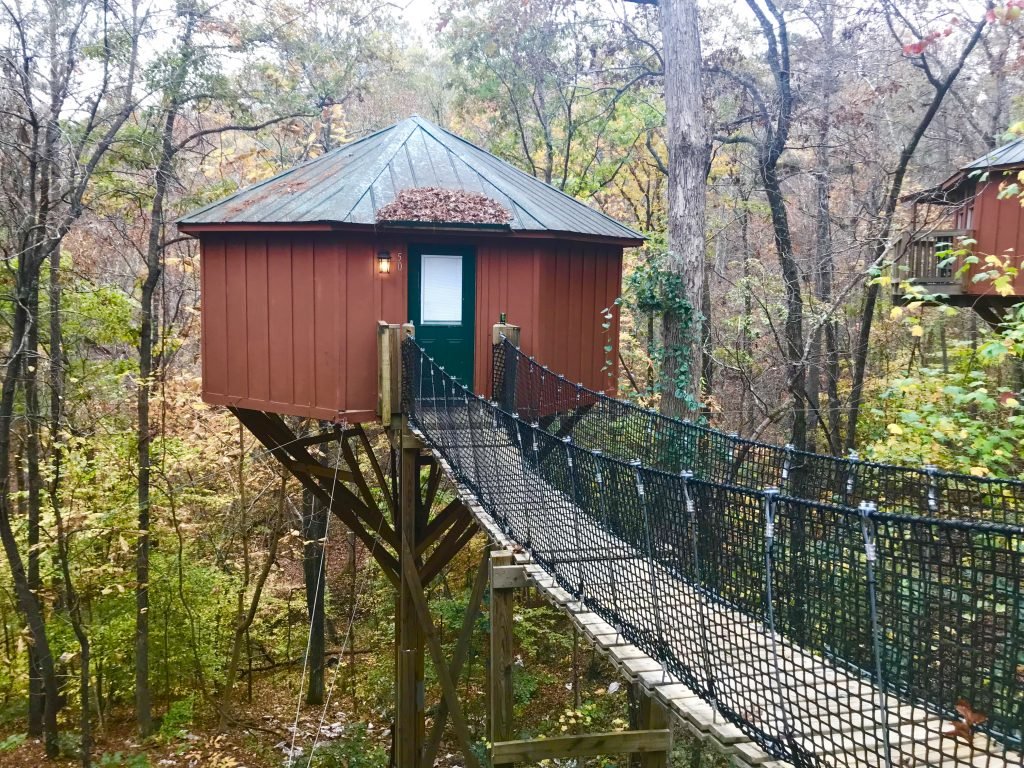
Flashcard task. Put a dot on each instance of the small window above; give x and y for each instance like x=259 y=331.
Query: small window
x=441 y=290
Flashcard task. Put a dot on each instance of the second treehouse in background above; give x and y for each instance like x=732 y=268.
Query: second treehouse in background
x=960 y=225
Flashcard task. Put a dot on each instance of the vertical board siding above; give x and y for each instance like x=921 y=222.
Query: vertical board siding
x=583 y=279
x=235 y=317
x=257 y=328
x=328 y=344
x=999 y=231
x=280 y=318
x=214 y=319
x=289 y=320
x=506 y=275
x=304 y=317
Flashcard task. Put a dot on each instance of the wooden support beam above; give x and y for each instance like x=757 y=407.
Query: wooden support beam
x=320 y=439
x=378 y=472
x=501 y=655
x=442 y=521
x=615 y=743
x=654 y=717
x=450 y=546
x=319 y=470
x=278 y=442
x=357 y=475
x=462 y=646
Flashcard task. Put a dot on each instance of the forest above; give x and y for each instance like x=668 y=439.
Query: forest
x=170 y=596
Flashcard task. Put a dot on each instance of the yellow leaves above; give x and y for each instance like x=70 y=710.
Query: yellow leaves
x=895 y=429
x=980 y=471
x=884 y=280
x=1011 y=402
x=917 y=331
x=896 y=313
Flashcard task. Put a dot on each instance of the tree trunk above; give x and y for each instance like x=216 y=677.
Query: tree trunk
x=688 y=160
x=27 y=283
x=314 y=522
x=36 y=697
x=823 y=363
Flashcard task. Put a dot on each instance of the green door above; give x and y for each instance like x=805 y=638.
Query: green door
x=442 y=305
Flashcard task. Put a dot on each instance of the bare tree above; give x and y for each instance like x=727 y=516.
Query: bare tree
x=46 y=170
x=941 y=82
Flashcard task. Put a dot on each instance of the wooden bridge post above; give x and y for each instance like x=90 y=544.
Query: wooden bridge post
x=501 y=648
x=409 y=693
x=507 y=397
x=653 y=717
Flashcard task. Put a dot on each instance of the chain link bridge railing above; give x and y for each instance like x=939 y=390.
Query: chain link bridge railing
x=833 y=634
x=592 y=419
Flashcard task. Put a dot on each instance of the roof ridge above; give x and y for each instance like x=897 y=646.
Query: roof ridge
x=384 y=160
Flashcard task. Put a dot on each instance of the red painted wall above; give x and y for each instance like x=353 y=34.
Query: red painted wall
x=289 y=319
x=999 y=230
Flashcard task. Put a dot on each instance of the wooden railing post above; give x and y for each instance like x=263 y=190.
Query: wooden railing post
x=510 y=332
x=389 y=368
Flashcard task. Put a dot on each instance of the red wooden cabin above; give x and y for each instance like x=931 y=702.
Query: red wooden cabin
x=298 y=270
x=965 y=211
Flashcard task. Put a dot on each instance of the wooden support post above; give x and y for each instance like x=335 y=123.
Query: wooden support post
x=653 y=717
x=501 y=652
x=389 y=368
x=409 y=723
x=510 y=332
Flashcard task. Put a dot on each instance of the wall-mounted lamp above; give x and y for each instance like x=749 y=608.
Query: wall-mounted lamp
x=384 y=262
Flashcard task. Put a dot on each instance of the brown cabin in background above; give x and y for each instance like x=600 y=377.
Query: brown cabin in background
x=296 y=272
x=967 y=207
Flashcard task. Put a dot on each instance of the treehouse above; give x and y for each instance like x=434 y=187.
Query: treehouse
x=411 y=224
x=966 y=216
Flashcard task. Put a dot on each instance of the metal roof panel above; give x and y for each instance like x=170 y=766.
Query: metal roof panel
x=350 y=183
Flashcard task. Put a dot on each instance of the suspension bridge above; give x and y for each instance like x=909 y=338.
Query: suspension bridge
x=792 y=607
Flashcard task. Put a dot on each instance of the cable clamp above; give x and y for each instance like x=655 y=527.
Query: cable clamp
x=769 y=515
x=867 y=509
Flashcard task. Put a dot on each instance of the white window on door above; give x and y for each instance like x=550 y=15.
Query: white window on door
x=441 y=289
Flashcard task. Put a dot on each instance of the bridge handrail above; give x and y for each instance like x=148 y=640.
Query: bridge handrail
x=929 y=609
x=592 y=418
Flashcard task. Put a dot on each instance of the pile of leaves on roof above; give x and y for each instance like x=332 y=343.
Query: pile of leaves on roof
x=450 y=206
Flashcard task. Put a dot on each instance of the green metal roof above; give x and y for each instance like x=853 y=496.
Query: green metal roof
x=351 y=183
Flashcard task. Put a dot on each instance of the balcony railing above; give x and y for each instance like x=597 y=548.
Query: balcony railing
x=926 y=267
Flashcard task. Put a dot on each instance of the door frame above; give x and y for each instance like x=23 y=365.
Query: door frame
x=415 y=251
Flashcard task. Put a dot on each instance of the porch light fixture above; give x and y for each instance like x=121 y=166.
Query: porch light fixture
x=384 y=262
